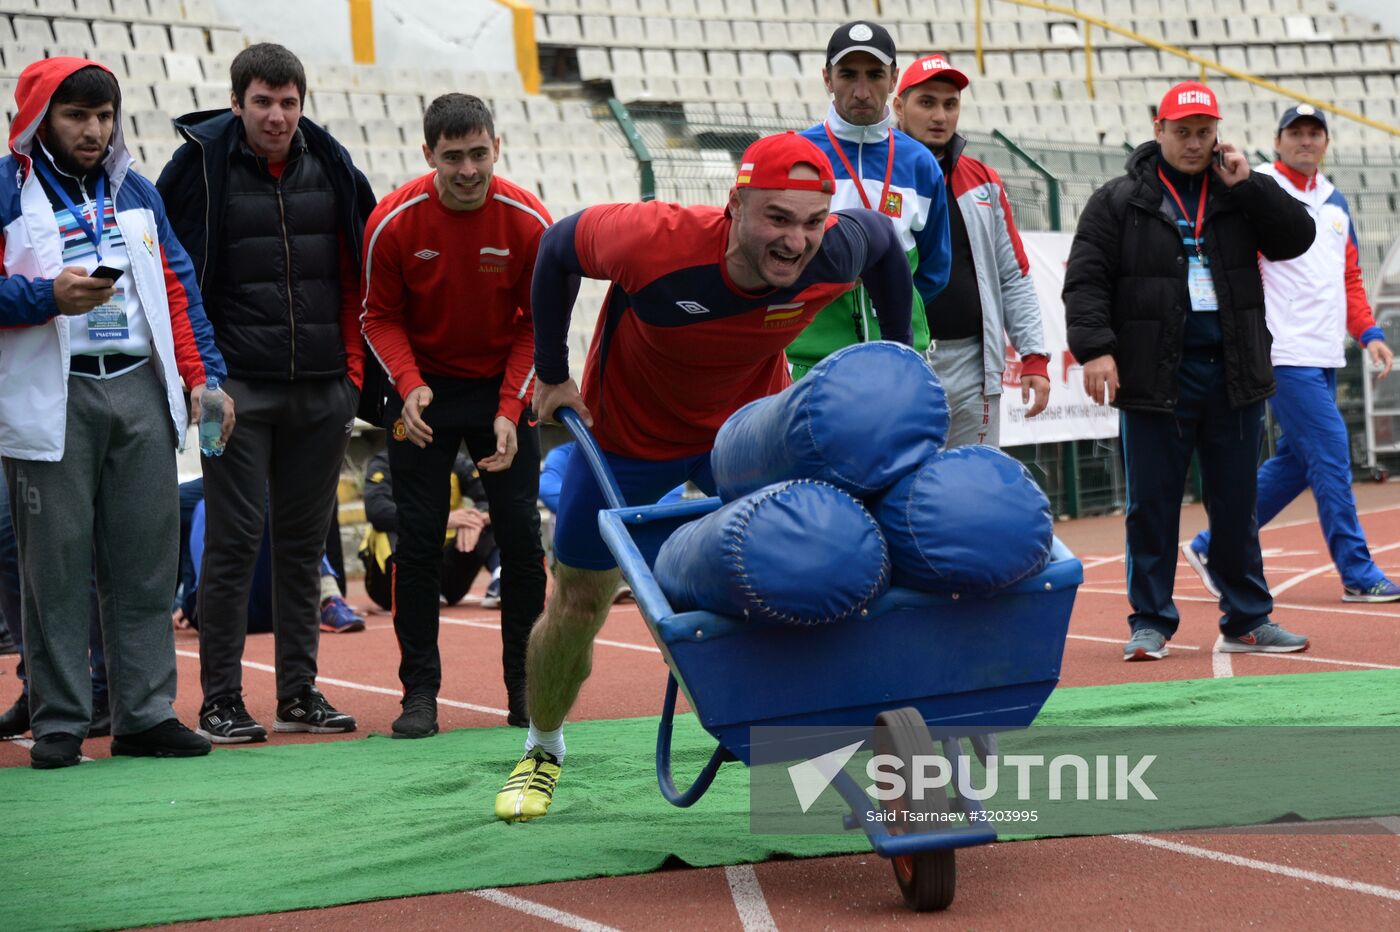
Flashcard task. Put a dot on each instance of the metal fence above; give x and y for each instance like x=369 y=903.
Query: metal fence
x=688 y=154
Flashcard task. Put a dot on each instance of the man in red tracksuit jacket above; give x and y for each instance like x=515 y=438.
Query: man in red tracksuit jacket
x=448 y=264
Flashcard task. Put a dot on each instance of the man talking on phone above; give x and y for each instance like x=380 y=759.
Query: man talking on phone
x=1165 y=310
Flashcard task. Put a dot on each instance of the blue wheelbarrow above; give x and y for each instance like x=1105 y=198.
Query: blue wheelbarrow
x=939 y=665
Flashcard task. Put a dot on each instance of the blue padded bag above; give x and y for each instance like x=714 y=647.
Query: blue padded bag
x=970 y=520
x=797 y=553
x=862 y=419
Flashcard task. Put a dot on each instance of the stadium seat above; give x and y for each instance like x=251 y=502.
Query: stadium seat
x=628 y=30
x=659 y=30
x=32 y=31
x=210 y=96
x=627 y=63
x=188 y=39
x=593 y=65
x=111 y=37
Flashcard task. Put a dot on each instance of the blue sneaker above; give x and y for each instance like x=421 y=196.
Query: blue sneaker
x=1197 y=561
x=1268 y=638
x=339 y=618
x=1145 y=644
x=1383 y=591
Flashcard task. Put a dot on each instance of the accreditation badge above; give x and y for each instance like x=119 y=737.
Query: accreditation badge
x=1200 y=286
x=109 y=322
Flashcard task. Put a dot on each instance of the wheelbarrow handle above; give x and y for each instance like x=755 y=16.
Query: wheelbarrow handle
x=663 y=757
x=591 y=451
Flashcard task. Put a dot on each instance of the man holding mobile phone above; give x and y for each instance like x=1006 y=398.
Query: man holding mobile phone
x=91 y=410
x=1165 y=309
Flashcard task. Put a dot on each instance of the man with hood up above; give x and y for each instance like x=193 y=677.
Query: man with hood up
x=91 y=409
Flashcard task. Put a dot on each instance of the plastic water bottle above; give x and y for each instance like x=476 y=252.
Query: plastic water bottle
x=211 y=419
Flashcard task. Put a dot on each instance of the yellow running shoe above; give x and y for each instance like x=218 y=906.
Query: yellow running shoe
x=530 y=788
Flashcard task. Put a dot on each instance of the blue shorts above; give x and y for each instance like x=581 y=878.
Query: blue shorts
x=577 y=542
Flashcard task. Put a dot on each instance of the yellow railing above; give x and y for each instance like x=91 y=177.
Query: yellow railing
x=527 y=53
x=1206 y=65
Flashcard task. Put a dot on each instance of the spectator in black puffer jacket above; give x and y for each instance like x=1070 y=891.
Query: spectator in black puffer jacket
x=273 y=211
x=1165 y=310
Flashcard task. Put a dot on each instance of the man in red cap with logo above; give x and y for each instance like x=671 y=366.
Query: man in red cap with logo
x=990 y=296
x=702 y=305
x=1165 y=309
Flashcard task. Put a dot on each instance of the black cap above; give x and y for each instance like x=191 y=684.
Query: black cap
x=860 y=36
x=1302 y=112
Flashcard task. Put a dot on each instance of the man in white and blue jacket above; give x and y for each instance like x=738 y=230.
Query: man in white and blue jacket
x=880 y=168
x=92 y=409
x=1311 y=303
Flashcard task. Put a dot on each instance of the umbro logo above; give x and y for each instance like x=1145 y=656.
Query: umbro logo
x=692 y=307
x=426 y=254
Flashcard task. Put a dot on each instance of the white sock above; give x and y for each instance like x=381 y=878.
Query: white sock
x=551 y=741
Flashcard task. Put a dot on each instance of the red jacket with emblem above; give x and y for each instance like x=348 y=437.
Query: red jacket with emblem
x=447 y=293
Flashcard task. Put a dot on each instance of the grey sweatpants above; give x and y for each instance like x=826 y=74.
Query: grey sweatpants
x=284 y=455
x=973 y=416
x=112 y=502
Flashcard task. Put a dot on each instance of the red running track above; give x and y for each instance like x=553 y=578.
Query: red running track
x=1204 y=881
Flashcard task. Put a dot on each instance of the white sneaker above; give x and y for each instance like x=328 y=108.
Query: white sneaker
x=1197 y=561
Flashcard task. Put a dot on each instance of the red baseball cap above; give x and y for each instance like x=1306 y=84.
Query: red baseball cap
x=933 y=67
x=768 y=163
x=1189 y=98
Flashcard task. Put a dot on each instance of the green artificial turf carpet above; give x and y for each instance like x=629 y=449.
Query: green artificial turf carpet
x=132 y=841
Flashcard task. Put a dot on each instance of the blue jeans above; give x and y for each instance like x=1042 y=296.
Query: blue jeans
x=1157 y=452
x=1315 y=452
x=9 y=607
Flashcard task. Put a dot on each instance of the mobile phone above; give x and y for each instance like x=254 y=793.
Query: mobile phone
x=107 y=272
x=1220 y=159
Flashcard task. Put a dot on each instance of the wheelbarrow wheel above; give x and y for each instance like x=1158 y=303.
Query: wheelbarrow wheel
x=928 y=879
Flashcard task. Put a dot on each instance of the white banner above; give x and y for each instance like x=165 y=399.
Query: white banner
x=1071 y=415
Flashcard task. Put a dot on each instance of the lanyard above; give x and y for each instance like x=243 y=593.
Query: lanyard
x=81 y=216
x=1200 y=208
x=860 y=182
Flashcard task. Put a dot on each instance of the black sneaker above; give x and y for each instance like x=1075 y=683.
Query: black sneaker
x=168 y=739
x=311 y=712
x=55 y=750
x=419 y=718
x=101 y=725
x=224 y=720
x=15 y=721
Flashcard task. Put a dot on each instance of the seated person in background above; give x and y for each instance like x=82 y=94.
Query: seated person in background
x=337 y=617
x=469 y=545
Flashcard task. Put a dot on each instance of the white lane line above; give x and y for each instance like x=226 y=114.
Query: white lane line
x=749 y=899
x=1220 y=666
x=1090 y=637
x=1292 y=606
x=1341 y=883
x=540 y=911
x=1319 y=570
x=463 y=623
x=347 y=684
x=29 y=743
x=1103 y=560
